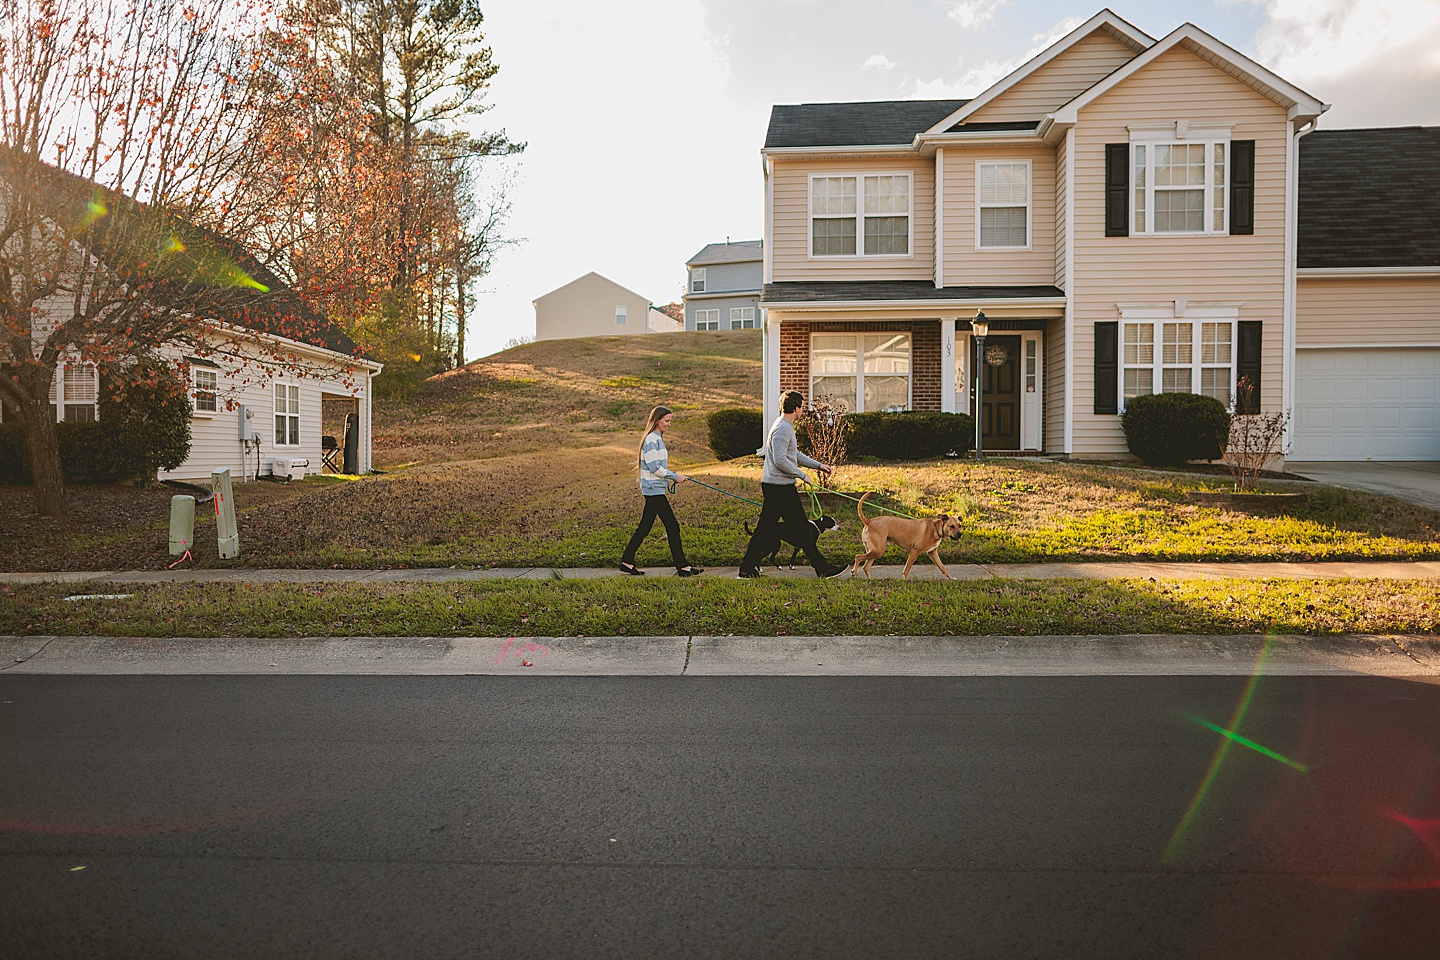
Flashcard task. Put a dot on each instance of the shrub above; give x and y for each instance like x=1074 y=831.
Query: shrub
x=13 y=468
x=914 y=434
x=1169 y=429
x=824 y=431
x=735 y=431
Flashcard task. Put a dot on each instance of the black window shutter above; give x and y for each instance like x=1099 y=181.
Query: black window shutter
x=1242 y=186
x=1117 y=190
x=1247 y=364
x=1107 y=354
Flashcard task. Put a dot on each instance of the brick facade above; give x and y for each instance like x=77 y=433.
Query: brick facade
x=924 y=354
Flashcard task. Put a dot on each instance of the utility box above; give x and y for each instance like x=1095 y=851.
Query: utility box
x=225 y=528
x=182 y=524
x=291 y=468
x=247 y=423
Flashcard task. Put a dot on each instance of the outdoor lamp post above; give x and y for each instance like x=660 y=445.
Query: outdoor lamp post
x=981 y=327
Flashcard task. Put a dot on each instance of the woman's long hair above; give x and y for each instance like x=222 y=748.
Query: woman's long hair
x=656 y=415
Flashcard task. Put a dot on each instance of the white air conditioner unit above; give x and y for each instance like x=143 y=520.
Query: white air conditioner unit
x=291 y=468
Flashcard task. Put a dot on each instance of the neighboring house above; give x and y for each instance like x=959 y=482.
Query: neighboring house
x=722 y=286
x=276 y=357
x=1128 y=213
x=596 y=306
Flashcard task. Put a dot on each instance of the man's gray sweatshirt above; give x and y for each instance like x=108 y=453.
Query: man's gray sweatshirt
x=783 y=458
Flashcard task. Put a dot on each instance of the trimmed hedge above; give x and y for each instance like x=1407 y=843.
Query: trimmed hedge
x=911 y=435
x=735 y=431
x=1169 y=429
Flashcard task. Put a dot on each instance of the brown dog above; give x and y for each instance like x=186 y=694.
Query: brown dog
x=917 y=536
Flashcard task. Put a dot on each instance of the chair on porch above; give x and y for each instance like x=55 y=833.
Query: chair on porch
x=329 y=453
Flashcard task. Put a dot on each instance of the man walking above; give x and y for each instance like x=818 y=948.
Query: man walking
x=781 y=501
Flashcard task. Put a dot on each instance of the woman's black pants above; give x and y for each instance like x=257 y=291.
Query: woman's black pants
x=657 y=506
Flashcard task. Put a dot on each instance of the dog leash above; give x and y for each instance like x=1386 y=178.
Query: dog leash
x=670 y=487
x=898 y=513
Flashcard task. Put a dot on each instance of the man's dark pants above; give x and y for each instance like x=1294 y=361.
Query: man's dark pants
x=781 y=501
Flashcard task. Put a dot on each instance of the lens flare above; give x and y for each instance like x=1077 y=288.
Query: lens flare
x=174 y=246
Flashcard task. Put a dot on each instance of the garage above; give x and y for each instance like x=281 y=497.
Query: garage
x=1353 y=404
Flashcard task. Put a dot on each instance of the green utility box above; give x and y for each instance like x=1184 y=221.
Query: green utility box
x=225 y=528
x=182 y=524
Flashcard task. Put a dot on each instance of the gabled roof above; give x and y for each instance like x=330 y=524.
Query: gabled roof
x=1370 y=198
x=1105 y=20
x=597 y=276
x=1300 y=104
x=738 y=252
x=868 y=123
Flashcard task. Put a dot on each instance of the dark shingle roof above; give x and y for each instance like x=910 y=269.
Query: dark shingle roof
x=871 y=123
x=728 y=252
x=837 y=291
x=1370 y=198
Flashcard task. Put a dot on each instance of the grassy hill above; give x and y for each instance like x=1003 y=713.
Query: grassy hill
x=571 y=394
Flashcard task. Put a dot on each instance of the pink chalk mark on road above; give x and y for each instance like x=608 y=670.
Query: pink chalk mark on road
x=538 y=649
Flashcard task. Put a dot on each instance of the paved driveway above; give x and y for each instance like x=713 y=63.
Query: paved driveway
x=1417 y=482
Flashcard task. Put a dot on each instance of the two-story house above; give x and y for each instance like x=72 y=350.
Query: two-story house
x=722 y=286
x=1123 y=212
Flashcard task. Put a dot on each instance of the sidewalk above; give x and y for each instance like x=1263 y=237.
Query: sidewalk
x=923 y=570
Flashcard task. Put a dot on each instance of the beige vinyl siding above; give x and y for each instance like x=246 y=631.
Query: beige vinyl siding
x=791 y=241
x=965 y=263
x=1058 y=82
x=1362 y=311
x=586 y=308
x=1112 y=270
x=1053 y=440
x=1061 y=227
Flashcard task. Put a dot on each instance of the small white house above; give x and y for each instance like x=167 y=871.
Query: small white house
x=596 y=306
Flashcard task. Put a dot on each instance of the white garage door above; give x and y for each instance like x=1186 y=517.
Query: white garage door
x=1380 y=404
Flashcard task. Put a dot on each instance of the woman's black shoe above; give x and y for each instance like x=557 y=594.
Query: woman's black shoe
x=631 y=569
x=690 y=571
x=749 y=573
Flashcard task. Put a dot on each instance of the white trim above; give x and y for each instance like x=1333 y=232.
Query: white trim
x=708 y=319
x=1104 y=18
x=1029 y=204
x=947 y=364
x=893 y=150
x=1247 y=70
x=1289 y=322
x=1019 y=138
x=1357 y=273
x=287 y=383
x=1070 y=243
x=622 y=314
x=860 y=336
x=1172 y=135
x=860 y=178
x=1156 y=315
x=1432 y=345
x=1180 y=310
x=749 y=322
x=697 y=275
x=721 y=295
x=214 y=391
x=1032 y=407
x=767 y=270
x=939 y=225
x=770 y=372
x=932 y=306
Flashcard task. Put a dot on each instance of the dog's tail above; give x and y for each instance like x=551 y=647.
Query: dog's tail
x=860 y=509
x=748 y=531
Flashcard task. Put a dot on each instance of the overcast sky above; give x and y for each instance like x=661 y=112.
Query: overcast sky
x=644 y=118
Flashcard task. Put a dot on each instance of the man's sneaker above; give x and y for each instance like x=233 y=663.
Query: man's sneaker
x=748 y=574
x=825 y=573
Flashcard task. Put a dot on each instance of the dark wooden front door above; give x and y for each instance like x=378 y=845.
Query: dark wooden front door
x=1000 y=400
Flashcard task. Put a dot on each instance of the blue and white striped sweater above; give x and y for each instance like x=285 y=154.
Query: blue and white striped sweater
x=654 y=465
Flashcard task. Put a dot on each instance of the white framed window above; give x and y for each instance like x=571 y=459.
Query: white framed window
x=287 y=415
x=78 y=384
x=697 y=280
x=622 y=314
x=1179 y=180
x=207 y=387
x=1002 y=205
x=1189 y=355
x=742 y=318
x=861 y=371
x=707 y=319
x=861 y=215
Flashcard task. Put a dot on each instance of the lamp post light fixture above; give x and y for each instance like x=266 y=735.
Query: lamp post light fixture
x=981 y=327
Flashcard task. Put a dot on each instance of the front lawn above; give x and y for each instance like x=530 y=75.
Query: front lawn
x=715 y=607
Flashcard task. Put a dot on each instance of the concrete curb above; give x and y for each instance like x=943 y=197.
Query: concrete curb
x=1300 y=570
x=1126 y=655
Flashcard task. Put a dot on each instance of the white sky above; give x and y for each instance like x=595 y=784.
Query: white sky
x=645 y=118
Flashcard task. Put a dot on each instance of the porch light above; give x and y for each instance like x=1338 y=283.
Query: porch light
x=981 y=327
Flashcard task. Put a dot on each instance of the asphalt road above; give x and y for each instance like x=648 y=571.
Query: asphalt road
x=668 y=817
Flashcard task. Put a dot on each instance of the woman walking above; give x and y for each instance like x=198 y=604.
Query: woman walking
x=655 y=476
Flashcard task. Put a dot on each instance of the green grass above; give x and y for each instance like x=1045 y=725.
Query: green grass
x=704 y=607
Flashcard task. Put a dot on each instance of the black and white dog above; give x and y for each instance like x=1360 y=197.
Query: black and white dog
x=822 y=524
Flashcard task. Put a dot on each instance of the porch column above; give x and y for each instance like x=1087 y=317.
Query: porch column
x=770 y=359
x=947 y=364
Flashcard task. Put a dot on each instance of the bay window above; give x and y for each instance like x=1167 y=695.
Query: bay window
x=860 y=216
x=861 y=372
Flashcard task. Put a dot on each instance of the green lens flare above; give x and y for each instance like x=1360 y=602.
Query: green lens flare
x=1247 y=742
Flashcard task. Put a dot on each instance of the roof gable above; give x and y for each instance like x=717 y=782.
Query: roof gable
x=738 y=252
x=869 y=123
x=1298 y=103
x=590 y=279
x=1105 y=22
